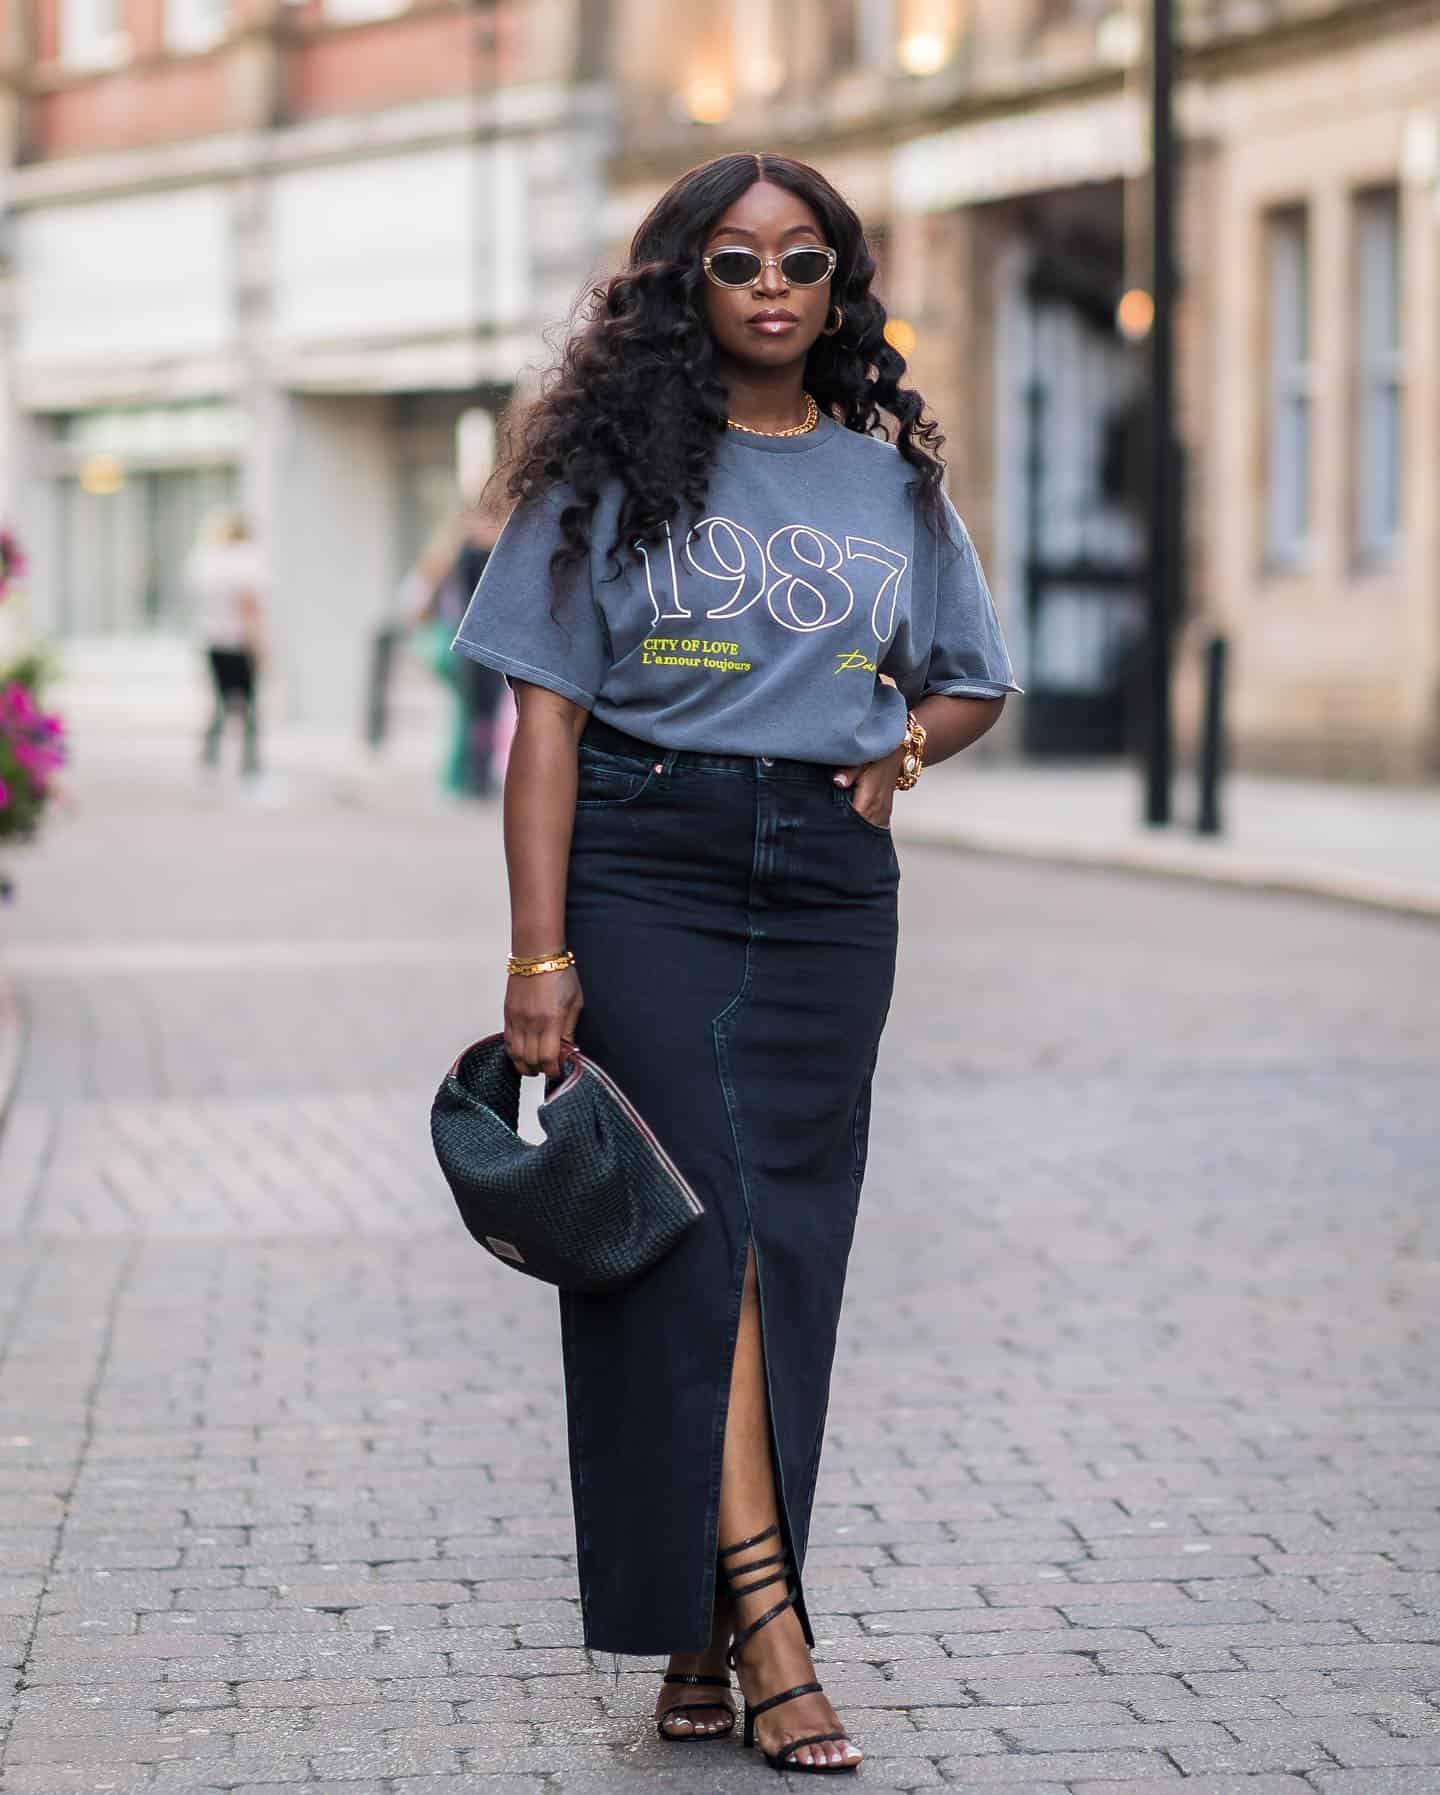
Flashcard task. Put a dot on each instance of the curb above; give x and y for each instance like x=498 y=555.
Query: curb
x=1273 y=876
x=12 y=1042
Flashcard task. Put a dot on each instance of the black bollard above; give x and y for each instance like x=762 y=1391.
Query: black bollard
x=377 y=695
x=1212 y=742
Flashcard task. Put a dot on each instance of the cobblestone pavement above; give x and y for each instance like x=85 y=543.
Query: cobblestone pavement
x=1131 y=1483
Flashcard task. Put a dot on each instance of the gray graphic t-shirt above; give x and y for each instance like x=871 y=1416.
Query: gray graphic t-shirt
x=763 y=627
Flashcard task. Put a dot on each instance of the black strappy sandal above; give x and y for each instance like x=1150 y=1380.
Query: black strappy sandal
x=784 y=1759
x=695 y=1681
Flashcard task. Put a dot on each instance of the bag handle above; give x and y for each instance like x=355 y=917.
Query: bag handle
x=500 y=1080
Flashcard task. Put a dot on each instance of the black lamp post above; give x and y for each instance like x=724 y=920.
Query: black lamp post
x=1164 y=509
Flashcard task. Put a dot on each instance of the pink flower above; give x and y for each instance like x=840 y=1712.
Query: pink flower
x=37 y=758
x=19 y=704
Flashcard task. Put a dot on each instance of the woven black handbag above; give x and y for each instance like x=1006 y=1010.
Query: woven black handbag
x=592 y=1206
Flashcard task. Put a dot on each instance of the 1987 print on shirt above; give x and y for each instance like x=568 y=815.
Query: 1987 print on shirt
x=808 y=581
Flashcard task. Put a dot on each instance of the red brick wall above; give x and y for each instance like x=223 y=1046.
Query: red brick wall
x=433 y=49
x=46 y=26
x=145 y=20
x=407 y=58
x=185 y=97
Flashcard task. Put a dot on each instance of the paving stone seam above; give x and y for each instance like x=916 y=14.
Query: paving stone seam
x=12 y=1042
x=66 y=1495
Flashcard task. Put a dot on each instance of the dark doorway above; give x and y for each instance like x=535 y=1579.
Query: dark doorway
x=1084 y=525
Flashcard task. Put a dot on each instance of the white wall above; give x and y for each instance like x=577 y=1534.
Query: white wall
x=144 y=276
x=331 y=522
x=430 y=240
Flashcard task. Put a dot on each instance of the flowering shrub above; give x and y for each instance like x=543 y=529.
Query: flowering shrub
x=32 y=740
x=32 y=750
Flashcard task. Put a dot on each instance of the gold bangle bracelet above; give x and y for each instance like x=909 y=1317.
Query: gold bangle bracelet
x=912 y=762
x=533 y=966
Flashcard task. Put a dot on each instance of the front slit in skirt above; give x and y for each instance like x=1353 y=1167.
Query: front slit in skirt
x=735 y=926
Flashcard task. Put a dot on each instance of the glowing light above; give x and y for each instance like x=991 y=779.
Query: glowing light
x=707 y=99
x=101 y=475
x=923 y=52
x=900 y=335
x=1135 y=314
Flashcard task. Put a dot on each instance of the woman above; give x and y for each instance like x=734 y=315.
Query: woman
x=432 y=599
x=226 y=580
x=711 y=564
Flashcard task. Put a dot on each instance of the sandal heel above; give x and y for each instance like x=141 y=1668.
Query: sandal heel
x=784 y=1759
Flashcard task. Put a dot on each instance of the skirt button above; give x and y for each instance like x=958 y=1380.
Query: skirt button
x=765 y=761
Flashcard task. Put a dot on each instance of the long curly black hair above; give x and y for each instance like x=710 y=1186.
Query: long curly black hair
x=636 y=395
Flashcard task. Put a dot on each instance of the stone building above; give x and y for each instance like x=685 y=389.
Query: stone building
x=289 y=253
x=998 y=150
x=296 y=250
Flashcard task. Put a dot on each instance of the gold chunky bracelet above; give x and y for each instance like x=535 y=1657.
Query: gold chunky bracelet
x=912 y=762
x=532 y=967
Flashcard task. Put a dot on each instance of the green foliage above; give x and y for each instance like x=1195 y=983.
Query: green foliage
x=32 y=747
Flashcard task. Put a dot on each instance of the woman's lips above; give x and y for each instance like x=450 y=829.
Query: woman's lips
x=772 y=326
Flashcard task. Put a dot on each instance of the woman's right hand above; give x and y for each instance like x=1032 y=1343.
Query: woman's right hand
x=540 y=1014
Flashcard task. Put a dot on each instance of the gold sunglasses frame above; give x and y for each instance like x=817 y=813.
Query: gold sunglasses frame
x=740 y=286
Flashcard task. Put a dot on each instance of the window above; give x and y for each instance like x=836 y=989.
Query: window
x=875 y=33
x=1288 y=446
x=927 y=34
x=861 y=35
x=1377 y=445
x=356 y=12
x=195 y=24
x=916 y=36
x=92 y=33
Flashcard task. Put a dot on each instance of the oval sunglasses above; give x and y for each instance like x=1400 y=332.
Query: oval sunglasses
x=806 y=265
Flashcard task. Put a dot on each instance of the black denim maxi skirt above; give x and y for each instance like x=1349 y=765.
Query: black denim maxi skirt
x=735 y=926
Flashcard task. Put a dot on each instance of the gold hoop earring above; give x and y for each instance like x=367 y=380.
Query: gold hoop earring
x=833 y=330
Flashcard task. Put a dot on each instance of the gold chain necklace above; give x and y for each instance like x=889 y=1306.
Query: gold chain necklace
x=811 y=419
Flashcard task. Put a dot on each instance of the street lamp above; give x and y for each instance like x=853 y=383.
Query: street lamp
x=1164 y=510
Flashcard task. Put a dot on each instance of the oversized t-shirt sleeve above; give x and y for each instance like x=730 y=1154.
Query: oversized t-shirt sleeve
x=527 y=624
x=968 y=657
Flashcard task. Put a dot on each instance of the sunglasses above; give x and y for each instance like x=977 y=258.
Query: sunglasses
x=804 y=266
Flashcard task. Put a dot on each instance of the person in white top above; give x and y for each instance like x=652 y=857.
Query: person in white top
x=226 y=578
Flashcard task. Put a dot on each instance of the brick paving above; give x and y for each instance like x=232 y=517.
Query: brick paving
x=1133 y=1475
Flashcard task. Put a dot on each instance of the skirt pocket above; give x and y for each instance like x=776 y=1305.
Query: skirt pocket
x=845 y=799
x=607 y=780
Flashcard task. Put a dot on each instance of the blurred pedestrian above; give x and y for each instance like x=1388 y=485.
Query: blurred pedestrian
x=480 y=690
x=226 y=579
x=712 y=566
x=433 y=597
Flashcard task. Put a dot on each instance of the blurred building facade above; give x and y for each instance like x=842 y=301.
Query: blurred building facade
x=294 y=249
x=287 y=255
x=998 y=151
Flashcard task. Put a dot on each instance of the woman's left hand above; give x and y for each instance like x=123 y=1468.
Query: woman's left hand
x=873 y=784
